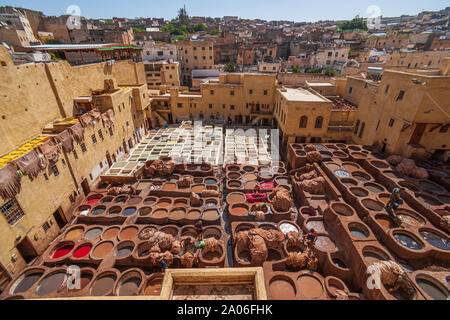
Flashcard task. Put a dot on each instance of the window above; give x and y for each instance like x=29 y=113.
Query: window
x=212 y=92
x=391 y=123
x=330 y=54
x=444 y=128
x=232 y=92
x=319 y=122
x=356 y=126
x=400 y=96
x=223 y=106
x=250 y=91
x=75 y=154
x=45 y=176
x=46 y=226
x=12 y=211
x=350 y=90
x=100 y=134
x=101 y=164
x=362 y=130
x=55 y=170
x=83 y=147
x=265 y=92
x=128 y=124
x=378 y=124
x=111 y=131
x=232 y=107
x=94 y=139
x=387 y=89
x=303 y=122
x=210 y=106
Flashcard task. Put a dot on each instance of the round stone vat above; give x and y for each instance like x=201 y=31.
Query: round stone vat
x=385 y=221
x=98 y=210
x=213 y=232
x=408 y=240
x=177 y=214
x=233 y=175
x=128 y=232
x=180 y=202
x=360 y=176
x=432 y=287
x=74 y=233
x=28 y=278
x=374 y=187
x=410 y=217
x=129 y=211
x=173 y=230
x=409 y=185
x=110 y=233
x=212 y=256
x=164 y=202
x=282 y=288
x=93 y=233
x=372 y=205
x=62 y=249
x=113 y=211
x=436 y=238
x=93 y=198
x=308 y=212
x=309 y=286
x=107 y=200
x=358 y=230
x=160 y=213
x=52 y=282
x=342 y=209
x=103 y=284
x=239 y=209
x=102 y=249
x=124 y=249
x=341 y=173
x=236 y=184
x=153 y=285
x=359 y=192
x=150 y=201
x=144 y=211
x=349 y=182
x=325 y=243
x=120 y=199
x=373 y=254
x=333 y=284
x=82 y=251
x=134 y=200
x=210 y=214
x=287 y=226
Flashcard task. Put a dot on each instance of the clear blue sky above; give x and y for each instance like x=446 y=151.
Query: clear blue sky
x=297 y=10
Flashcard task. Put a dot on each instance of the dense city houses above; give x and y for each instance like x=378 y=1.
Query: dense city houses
x=126 y=143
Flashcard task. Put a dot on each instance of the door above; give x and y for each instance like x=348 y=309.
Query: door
x=60 y=218
x=417 y=134
x=26 y=250
x=85 y=187
x=108 y=159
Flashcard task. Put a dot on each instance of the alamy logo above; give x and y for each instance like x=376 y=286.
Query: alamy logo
x=73 y=278
x=74 y=21
x=374 y=280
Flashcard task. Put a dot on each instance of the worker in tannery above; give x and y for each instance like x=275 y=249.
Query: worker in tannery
x=394 y=202
x=394 y=278
x=310 y=238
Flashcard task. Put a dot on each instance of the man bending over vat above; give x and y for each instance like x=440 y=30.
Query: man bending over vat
x=394 y=278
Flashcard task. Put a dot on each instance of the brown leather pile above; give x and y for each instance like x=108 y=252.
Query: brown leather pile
x=260 y=216
x=77 y=132
x=293 y=240
x=195 y=200
x=308 y=176
x=273 y=238
x=49 y=149
x=161 y=239
x=394 y=159
x=211 y=244
x=159 y=167
x=210 y=194
x=408 y=167
x=257 y=247
x=9 y=181
x=242 y=239
x=188 y=260
x=108 y=118
x=185 y=182
x=280 y=199
x=445 y=223
x=314 y=186
x=297 y=260
x=176 y=247
x=66 y=140
x=310 y=148
x=314 y=156
x=114 y=191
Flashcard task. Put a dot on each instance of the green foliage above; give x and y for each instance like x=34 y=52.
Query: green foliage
x=180 y=37
x=138 y=30
x=355 y=24
x=109 y=21
x=312 y=70
x=200 y=27
x=350 y=53
x=329 y=71
x=295 y=69
x=230 y=67
x=182 y=14
x=214 y=32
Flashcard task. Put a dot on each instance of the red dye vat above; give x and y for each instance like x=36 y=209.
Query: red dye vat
x=256 y=197
x=267 y=185
x=62 y=252
x=82 y=251
x=93 y=201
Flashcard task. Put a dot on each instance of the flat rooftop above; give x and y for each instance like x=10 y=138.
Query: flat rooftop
x=301 y=95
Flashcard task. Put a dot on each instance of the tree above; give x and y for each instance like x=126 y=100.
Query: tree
x=200 y=27
x=180 y=37
x=137 y=30
x=329 y=71
x=355 y=24
x=312 y=70
x=214 y=32
x=182 y=14
x=295 y=69
x=230 y=67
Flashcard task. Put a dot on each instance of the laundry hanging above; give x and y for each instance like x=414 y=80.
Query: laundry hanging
x=66 y=140
x=9 y=181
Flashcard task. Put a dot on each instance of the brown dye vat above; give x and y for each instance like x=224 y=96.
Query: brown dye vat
x=51 y=283
x=408 y=185
x=251 y=185
x=213 y=255
x=149 y=201
x=244 y=255
x=180 y=203
x=85 y=279
x=111 y=233
x=234 y=176
x=103 y=285
x=177 y=214
x=429 y=186
x=348 y=182
x=391 y=174
x=124 y=250
x=379 y=164
x=372 y=187
x=198 y=188
x=212 y=233
x=319 y=226
x=233 y=168
x=210 y=214
x=372 y=257
x=360 y=176
x=145 y=211
x=153 y=287
x=325 y=244
x=249 y=169
x=170 y=230
x=385 y=222
x=114 y=210
x=282 y=289
x=107 y=200
x=189 y=232
x=164 y=203
x=239 y=210
x=193 y=214
x=75 y=233
x=340 y=154
x=135 y=200
x=102 y=249
x=169 y=187
x=342 y=209
x=373 y=205
x=273 y=255
x=350 y=166
x=410 y=218
x=129 y=286
x=27 y=281
x=234 y=184
x=128 y=233
x=384 y=198
x=429 y=200
x=308 y=212
x=235 y=197
x=160 y=213
x=250 y=176
x=359 y=192
x=309 y=287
